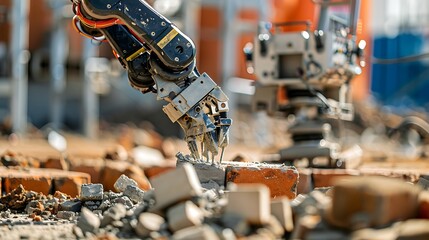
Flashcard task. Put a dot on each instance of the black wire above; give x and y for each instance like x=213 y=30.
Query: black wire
x=411 y=58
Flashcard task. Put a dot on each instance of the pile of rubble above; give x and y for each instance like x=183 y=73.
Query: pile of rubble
x=178 y=207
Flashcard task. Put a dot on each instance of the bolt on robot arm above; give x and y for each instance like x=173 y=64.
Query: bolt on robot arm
x=159 y=58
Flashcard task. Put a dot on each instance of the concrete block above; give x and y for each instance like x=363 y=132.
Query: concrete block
x=91 y=192
x=184 y=215
x=88 y=221
x=122 y=182
x=414 y=229
x=206 y=171
x=252 y=201
x=281 y=180
x=360 y=202
x=237 y=223
x=203 y=232
x=175 y=186
x=281 y=209
x=149 y=222
x=134 y=193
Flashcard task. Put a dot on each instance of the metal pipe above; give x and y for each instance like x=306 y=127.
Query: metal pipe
x=90 y=98
x=20 y=57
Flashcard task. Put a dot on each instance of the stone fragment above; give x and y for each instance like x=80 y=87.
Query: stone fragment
x=88 y=221
x=149 y=222
x=114 y=169
x=124 y=200
x=203 y=232
x=360 y=202
x=312 y=204
x=252 y=201
x=114 y=213
x=134 y=193
x=184 y=215
x=91 y=192
x=174 y=186
x=74 y=206
x=305 y=181
x=282 y=210
x=69 y=215
x=122 y=183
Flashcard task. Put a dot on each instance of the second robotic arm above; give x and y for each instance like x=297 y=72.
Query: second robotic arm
x=159 y=58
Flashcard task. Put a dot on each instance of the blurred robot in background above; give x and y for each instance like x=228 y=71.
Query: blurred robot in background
x=305 y=75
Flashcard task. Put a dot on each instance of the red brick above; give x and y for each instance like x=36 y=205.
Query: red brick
x=71 y=184
x=154 y=171
x=91 y=166
x=280 y=179
x=29 y=182
x=114 y=169
x=43 y=180
x=328 y=177
x=55 y=163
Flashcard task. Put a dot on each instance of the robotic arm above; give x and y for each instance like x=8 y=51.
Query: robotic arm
x=159 y=58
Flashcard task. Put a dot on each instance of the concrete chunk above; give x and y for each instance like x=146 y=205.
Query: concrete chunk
x=74 y=206
x=372 y=202
x=252 y=201
x=174 y=186
x=88 y=221
x=282 y=210
x=203 y=232
x=134 y=193
x=122 y=183
x=149 y=222
x=184 y=215
x=206 y=172
x=91 y=192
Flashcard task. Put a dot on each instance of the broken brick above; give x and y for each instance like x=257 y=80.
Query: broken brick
x=281 y=180
x=360 y=202
x=328 y=177
x=154 y=171
x=114 y=169
x=93 y=167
